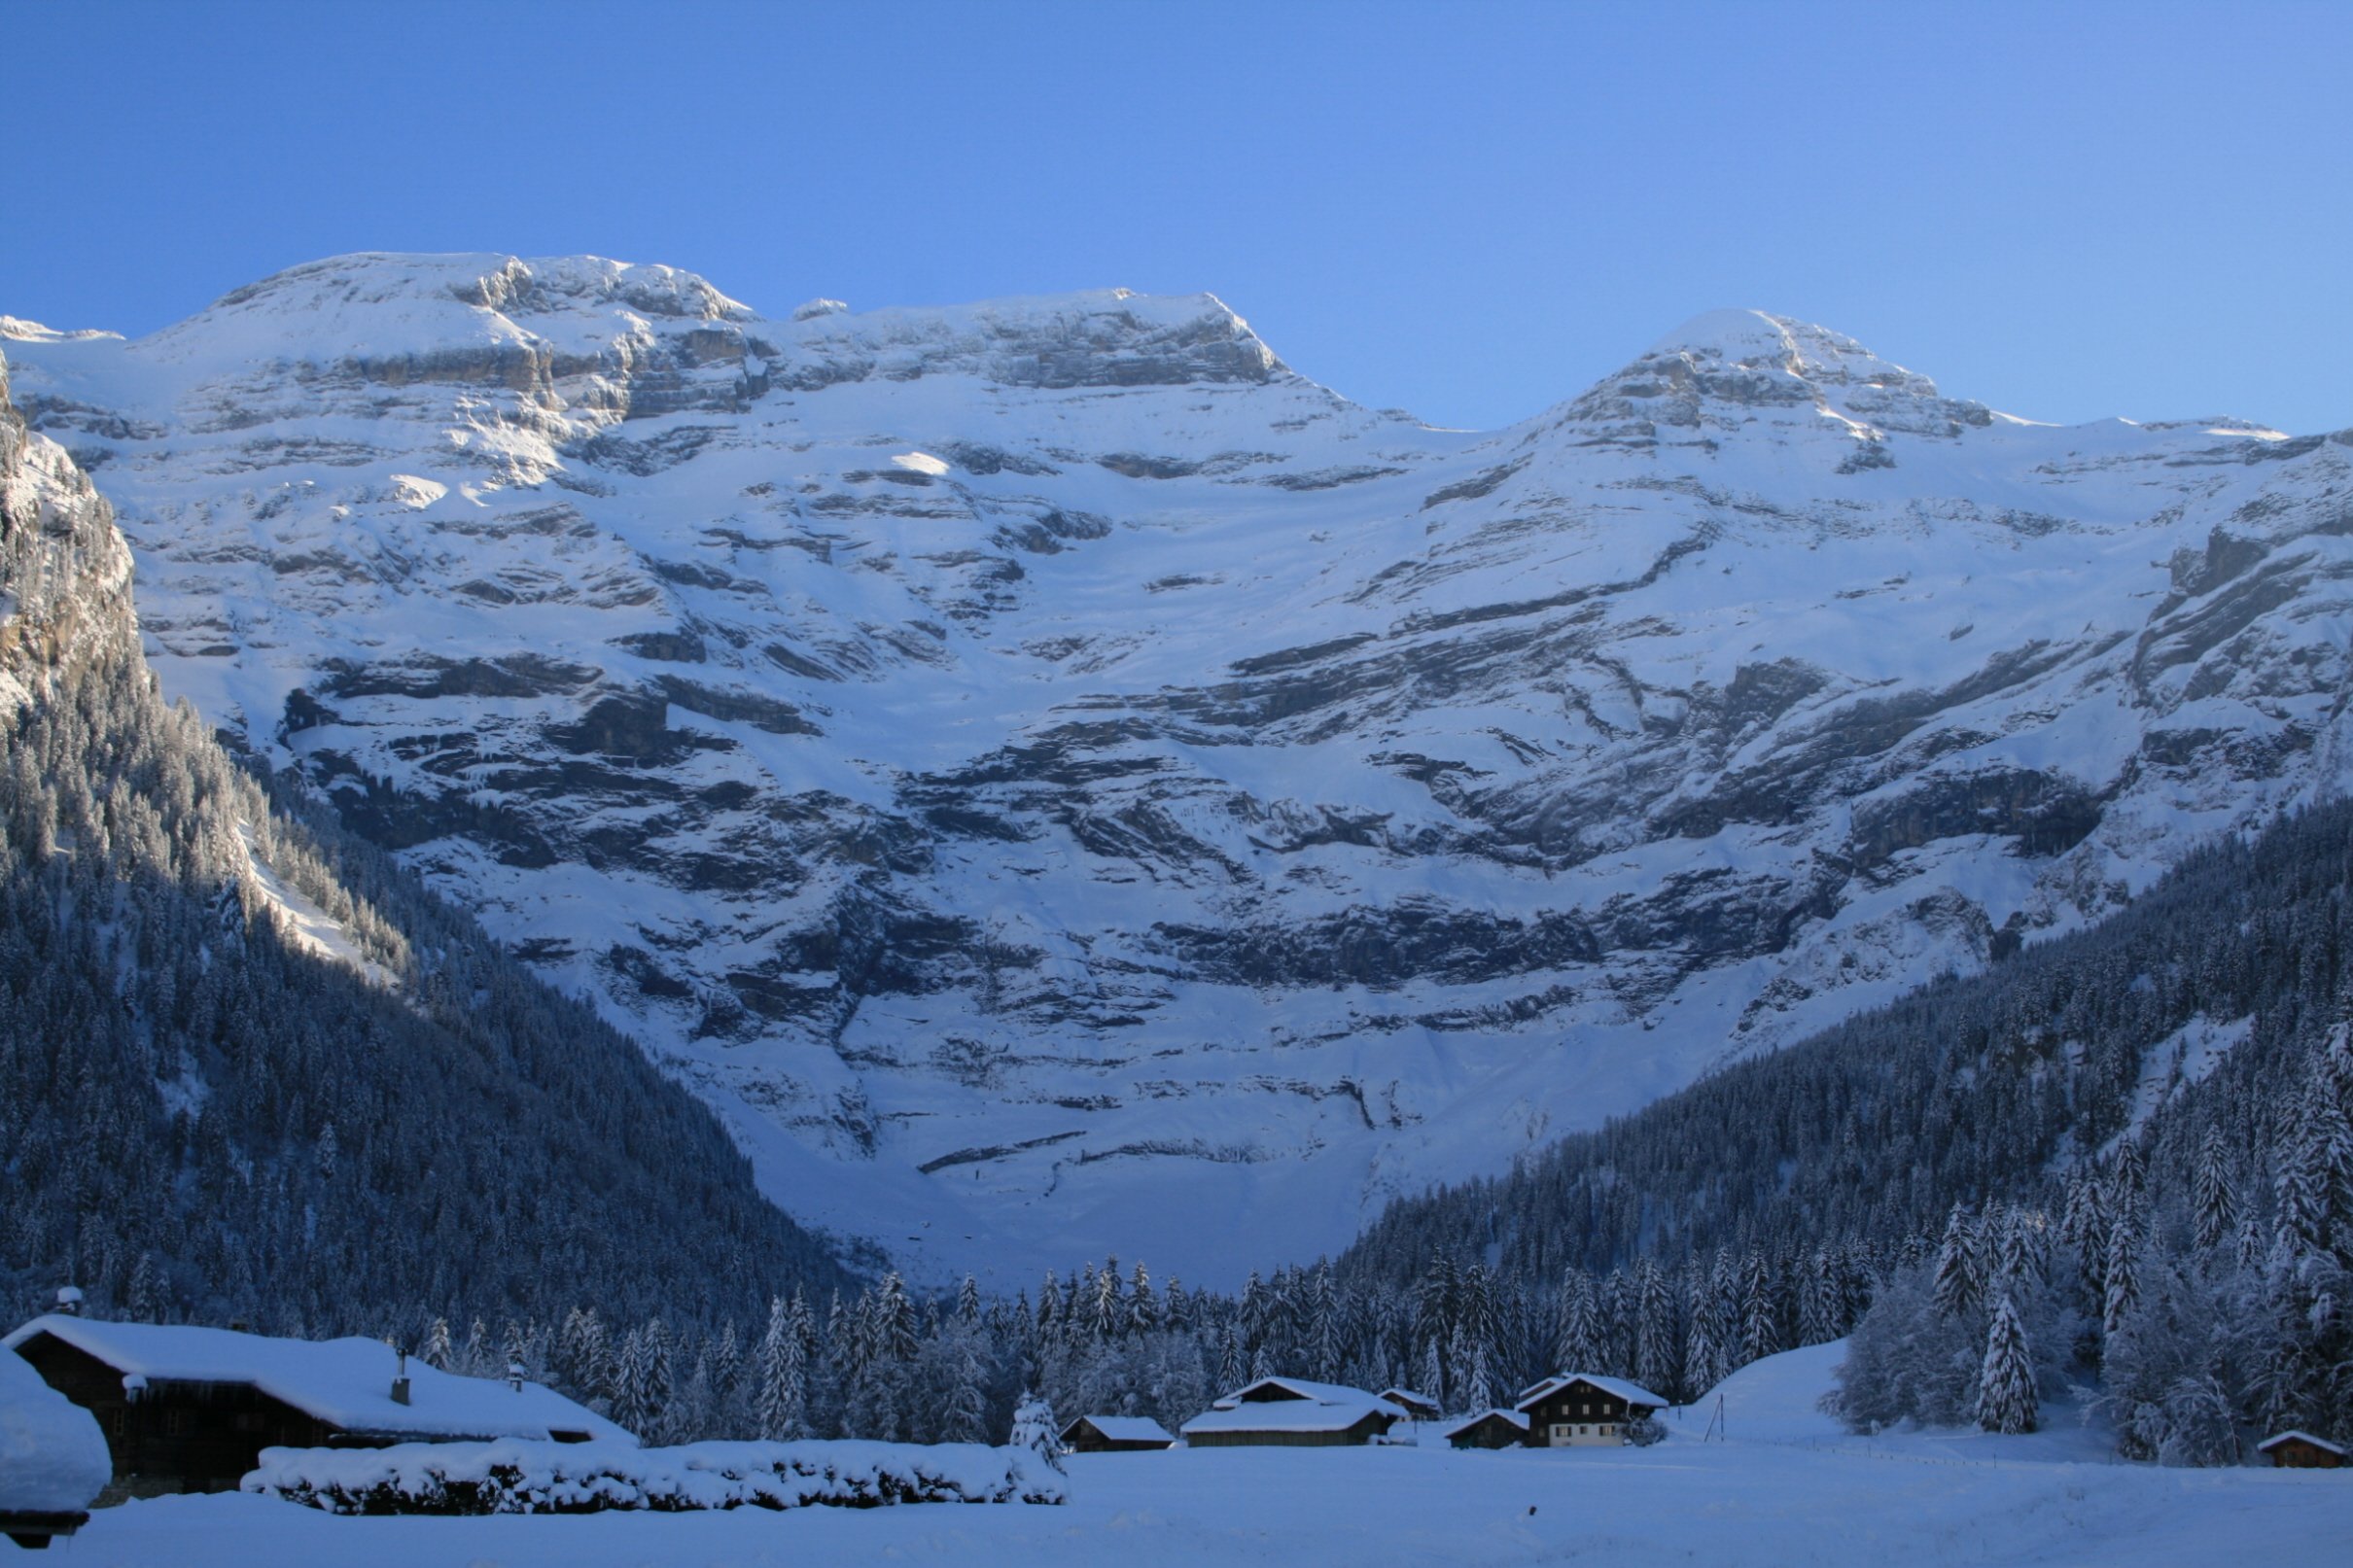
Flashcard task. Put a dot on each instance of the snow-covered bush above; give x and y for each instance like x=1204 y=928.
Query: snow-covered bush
x=517 y=1476
x=1644 y=1430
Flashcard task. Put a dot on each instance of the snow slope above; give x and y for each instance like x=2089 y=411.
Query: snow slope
x=1063 y=783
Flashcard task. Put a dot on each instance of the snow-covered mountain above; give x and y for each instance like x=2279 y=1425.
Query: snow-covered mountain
x=1062 y=782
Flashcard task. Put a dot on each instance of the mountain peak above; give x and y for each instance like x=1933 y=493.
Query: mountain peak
x=1728 y=364
x=1755 y=339
x=1093 y=338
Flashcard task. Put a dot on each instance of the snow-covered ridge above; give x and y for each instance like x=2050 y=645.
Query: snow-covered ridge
x=1064 y=783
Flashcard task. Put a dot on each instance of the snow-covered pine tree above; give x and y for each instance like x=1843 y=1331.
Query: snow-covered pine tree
x=1760 y=1309
x=1324 y=1329
x=2122 y=1268
x=630 y=1406
x=2006 y=1395
x=1233 y=1367
x=1049 y=1310
x=1955 y=1284
x=1576 y=1347
x=963 y=1418
x=2214 y=1202
x=439 y=1352
x=1143 y=1303
x=1035 y=1429
x=1657 y=1364
x=780 y=1410
x=1110 y=1311
x=657 y=1381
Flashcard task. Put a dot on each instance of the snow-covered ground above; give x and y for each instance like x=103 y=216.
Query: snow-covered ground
x=1786 y=1488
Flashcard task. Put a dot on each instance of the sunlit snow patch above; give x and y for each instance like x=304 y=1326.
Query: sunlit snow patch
x=307 y=928
x=412 y=492
x=921 y=463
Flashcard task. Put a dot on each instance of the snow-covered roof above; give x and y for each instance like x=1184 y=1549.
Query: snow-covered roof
x=1301 y=1388
x=1401 y=1396
x=1515 y=1417
x=1291 y=1416
x=1616 y=1388
x=1126 y=1428
x=347 y=1382
x=2268 y=1444
x=53 y=1457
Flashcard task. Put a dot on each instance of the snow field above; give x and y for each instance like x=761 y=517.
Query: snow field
x=1790 y=1486
x=1756 y=1504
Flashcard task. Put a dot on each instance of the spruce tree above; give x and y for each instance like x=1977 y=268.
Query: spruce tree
x=1037 y=1431
x=2006 y=1395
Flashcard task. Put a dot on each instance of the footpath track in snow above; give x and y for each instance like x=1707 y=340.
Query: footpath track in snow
x=1758 y=1504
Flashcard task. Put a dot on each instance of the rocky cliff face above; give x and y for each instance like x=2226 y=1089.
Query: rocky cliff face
x=1062 y=782
x=64 y=569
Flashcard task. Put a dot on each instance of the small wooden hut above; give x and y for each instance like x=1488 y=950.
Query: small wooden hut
x=1489 y=1429
x=1115 y=1434
x=2301 y=1450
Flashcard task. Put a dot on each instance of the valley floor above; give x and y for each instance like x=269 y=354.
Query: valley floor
x=1788 y=1489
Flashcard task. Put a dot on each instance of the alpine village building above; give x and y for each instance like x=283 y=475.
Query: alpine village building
x=189 y=1409
x=1292 y=1413
x=2301 y=1450
x=1115 y=1434
x=1582 y=1408
x=1489 y=1429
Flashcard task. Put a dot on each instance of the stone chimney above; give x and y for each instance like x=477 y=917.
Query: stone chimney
x=514 y=1376
x=69 y=1301
x=400 y=1378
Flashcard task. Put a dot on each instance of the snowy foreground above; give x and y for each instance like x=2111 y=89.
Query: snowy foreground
x=1786 y=1488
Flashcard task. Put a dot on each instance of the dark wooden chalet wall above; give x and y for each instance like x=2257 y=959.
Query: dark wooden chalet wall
x=198 y=1437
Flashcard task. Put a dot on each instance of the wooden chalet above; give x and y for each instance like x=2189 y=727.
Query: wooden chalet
x=1292 y=1413
x=1582 y=1409
x=1115 y=1434
x=191 y=1408
x=1489 y=1429
x=2301 y=1450
x=1416 y=1406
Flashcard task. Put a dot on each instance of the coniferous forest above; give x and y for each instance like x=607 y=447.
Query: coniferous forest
x=208 y=1119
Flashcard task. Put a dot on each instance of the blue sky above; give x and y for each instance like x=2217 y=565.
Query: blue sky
x=1471 y=211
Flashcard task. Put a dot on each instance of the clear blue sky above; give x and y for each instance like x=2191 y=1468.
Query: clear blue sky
x=1471 y=211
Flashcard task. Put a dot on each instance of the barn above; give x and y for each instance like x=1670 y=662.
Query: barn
x=1292 y=1413
x=1416 y=1406
x=1489 y=1429
x=1115 y=1434
x=185 y=1409
x=1582 y=1408
x=2301 y=1450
